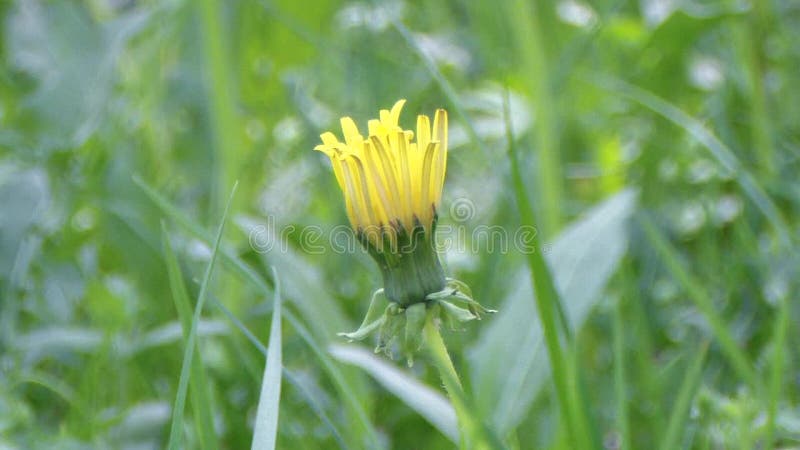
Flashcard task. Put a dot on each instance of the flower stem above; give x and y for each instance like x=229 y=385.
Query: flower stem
x=442 y=357
x=470 y=431
x=449 y=376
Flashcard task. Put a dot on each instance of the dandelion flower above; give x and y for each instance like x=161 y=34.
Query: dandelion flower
x=392 y=182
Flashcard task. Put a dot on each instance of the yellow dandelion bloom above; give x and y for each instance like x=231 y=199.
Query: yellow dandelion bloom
x=392 y=185
x=391 y=182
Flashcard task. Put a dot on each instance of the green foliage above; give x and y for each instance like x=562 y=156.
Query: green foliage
x=655 y=151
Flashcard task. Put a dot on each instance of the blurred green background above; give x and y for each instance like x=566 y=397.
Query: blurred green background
x=659 y=144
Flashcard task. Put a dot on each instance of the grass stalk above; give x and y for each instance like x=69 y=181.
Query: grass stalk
x=548 y=306
x=265 y=430
x=199 y=388
x=749 y=38
x=620 y=377
x=527 y=30
x=776 y=371
x=176 y=428
x=682 y=407
x=222 y=108
x=249 y=275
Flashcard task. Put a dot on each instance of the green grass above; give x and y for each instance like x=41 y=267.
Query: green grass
x=200 y=393
x=654 y=157
x=187 y=367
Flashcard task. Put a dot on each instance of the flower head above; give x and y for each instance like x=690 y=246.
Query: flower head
x=391 y=182
x=392 y=186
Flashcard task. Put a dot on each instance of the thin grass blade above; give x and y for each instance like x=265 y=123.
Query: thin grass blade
x=548 y=305
x=199 y=388
x=428 y=403
x=175 y=432
x=246 y=273
x=266 y=427
x=680 y=412
x=777 y=370
x=293 y=379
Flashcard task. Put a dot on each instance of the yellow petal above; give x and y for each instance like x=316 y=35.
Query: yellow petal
x=384 y=179
x=352 y=203
x=351 y=134
x=415 y=158
x=394 y=116
x=376 y=128
x=427 y=186
x=390 y=173
x=375 y=187
x=398 y=143
x=386 y=118
x=370 y=203
x=440 y=166
x=423 y=131
x=329 y=138
x=333 y=154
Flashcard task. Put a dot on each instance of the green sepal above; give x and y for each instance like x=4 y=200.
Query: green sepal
x=415 y=321
x=374 y=318
x=392 y=327
x=454 y=314
x=404 y=323
x=459 y=286
x=474 y=307
x=458 y=291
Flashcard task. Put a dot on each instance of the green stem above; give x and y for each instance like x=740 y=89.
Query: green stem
x=473 y=433
x=452 y=383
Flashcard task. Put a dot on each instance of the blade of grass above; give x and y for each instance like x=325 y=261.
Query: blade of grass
x=425 y=401
x=700 y=297
x=222 y=109
x=244 y=271
x=175 y=434
x=718 y=150
x=199 y=390
x=526 y=28
x=620 y=384
x=776 y=371
x=266 y=427
x=528 y=215
x=644 y=370
x=579 y=401
x=680 y=412
x=548 y=306
x=582 y=260
x=312 y=401
x=748 y=40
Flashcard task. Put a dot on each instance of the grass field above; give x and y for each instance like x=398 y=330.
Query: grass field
x=622 y=186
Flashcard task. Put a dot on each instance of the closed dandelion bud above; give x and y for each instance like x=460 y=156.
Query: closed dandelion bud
x=392 y=183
